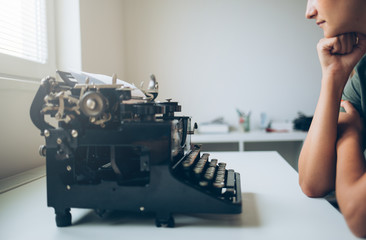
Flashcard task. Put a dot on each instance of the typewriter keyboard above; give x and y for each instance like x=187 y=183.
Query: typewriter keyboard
x=208 y=175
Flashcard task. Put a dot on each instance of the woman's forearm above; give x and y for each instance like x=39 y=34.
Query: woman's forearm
x=351 y=182
x=317 y=161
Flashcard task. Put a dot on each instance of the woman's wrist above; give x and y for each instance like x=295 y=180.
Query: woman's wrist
x=338 y=76
x=333 y=86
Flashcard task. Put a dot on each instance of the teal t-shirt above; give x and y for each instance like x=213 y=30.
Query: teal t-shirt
x=355 y=89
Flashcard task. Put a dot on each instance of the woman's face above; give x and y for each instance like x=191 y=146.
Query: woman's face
x=336 y=16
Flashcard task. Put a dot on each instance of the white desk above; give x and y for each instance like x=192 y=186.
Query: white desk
x=273 y=208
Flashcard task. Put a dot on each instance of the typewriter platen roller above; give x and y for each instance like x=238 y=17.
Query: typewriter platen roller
x=115 y=150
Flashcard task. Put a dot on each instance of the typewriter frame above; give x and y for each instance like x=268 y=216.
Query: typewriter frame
x=153 y=182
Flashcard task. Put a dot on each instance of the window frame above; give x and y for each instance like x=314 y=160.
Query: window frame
x=15 y=66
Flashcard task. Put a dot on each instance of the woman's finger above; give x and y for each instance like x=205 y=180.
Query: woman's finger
x=344 y=43
x=348 y=107
x=336 y=47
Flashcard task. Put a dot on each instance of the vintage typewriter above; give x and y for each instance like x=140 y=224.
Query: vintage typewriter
x=113 y=149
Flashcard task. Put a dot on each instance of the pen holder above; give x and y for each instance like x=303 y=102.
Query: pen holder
x=245 y=123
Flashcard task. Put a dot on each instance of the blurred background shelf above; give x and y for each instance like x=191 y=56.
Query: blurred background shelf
x=288 y=144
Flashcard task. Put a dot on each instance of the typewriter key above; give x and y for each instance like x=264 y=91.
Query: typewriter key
x=222 y=165
x=213 y=162
x=190 y=159
x=210 y=172
x=220 y=177
x=201 y=164
x=219 y=184
x=203 y=183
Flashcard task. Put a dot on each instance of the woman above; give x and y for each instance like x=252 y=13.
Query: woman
x=332 y=155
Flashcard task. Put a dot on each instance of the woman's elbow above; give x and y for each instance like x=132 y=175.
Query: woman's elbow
x=313 y=189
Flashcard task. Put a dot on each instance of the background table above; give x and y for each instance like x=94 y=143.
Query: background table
x=241 y=138
x=273 y=208
x=288 y=144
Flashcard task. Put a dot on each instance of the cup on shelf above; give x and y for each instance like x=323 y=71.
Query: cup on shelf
x=244 y=122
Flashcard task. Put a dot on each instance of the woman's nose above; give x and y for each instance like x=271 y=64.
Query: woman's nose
x=311 y=11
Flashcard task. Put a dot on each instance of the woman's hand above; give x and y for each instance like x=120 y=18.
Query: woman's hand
x=339 y=55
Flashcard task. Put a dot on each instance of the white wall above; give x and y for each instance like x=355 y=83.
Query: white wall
x=214 y=56
x=68 y=48
x=102 y=44
x=20 y=139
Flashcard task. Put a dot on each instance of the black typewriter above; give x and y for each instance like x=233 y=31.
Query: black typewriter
x=112 y=149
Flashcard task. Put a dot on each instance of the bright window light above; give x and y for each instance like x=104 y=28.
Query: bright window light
x=23 y=30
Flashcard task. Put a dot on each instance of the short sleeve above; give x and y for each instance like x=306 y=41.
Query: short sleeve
x=355 y=89
x=352 y=92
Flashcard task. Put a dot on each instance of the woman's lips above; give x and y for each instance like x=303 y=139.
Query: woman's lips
x=320 y=23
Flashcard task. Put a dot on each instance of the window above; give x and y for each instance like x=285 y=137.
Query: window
x=26 y=38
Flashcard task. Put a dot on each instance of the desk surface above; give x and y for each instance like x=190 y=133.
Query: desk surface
x=273 y=208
